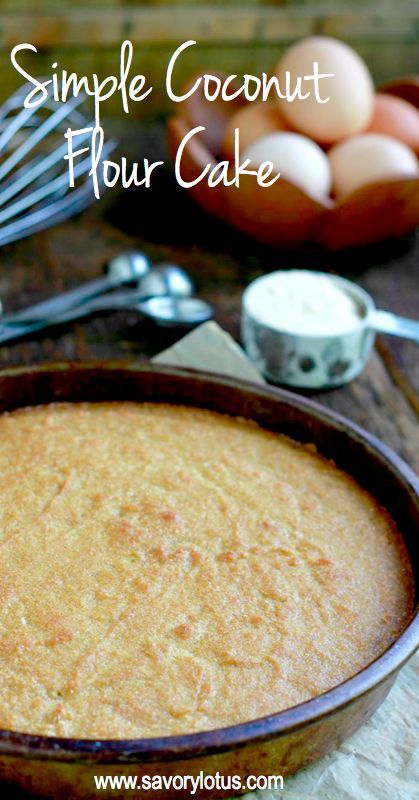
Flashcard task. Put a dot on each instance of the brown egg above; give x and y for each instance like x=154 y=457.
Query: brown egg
x=346 y=94
x=396 y=117
x=253 y=121
x=370 y=158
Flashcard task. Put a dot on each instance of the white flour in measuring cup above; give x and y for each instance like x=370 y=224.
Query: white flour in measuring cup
x=302 y=302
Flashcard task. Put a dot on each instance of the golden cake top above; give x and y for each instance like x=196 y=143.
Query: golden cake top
x=166 y=570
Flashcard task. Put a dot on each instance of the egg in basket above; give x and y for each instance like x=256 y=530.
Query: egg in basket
x=349 y=173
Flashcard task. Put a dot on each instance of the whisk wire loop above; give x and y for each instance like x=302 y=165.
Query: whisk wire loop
x=34 y=185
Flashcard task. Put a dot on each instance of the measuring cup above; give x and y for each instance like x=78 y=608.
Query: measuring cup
x=317 y=361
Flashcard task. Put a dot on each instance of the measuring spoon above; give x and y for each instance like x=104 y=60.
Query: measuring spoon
x=126 y=268
x=166 y=311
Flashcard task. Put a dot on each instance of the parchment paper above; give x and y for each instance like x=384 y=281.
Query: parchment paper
x=381 y=760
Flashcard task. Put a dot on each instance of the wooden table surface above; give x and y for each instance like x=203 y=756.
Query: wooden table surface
x=165 y=223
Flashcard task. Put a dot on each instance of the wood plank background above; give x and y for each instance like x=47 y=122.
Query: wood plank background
x=232 y=37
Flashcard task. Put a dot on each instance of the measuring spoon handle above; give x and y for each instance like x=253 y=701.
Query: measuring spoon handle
x=116 y=302
x=10 y=332
x=386 y=322
x=58 y=305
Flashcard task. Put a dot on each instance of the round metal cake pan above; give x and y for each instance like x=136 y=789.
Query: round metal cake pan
x=278 y=744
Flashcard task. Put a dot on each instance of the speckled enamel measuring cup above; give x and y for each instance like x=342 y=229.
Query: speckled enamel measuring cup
x=317 y=361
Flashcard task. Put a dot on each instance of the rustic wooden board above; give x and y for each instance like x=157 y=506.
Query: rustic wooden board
x=165 y=223
x=78 y=25
x=39 y=5
x=233 y=37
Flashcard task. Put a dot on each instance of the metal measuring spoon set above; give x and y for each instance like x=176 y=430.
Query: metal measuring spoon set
x=161 y=293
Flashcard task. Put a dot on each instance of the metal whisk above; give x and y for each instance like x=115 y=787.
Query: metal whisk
x=34 y=185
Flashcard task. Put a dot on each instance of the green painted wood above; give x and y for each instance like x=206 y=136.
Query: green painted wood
x=235 y=38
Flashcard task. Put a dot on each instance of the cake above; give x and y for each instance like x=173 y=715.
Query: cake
x=166 y=570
